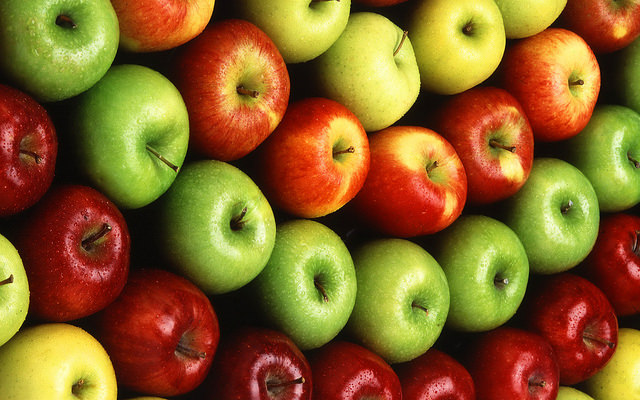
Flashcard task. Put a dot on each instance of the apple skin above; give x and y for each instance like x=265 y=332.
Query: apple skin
x=577 y=319
x=435 y=375
x=75 y=245
x=225 y=123
x=158 y=25
x=28 y=151
x=315 y=161
x=412 y=169
x=347 y=371
x=625 y=69
x=379 y=3
x=45 y=56
x=259 y=363
x=524 y=18
x=14 y=291
x=493 y=138
x=571 y=393
x=556 y=78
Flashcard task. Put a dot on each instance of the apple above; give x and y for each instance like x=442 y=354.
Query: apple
x=215 y=226
x=613 y=264
x=157 y=25
x=619 y=378
x=14 y=291
x=315 y=161
x=512 y=363
x=130 y=134
x=235 y=85
x=577 y=319
x=75 y=246
x=555 y=215
x=161 y=333
x=57 y=49
x=307 y=290
x=556 y=78
x=346 y=370
x=56 y=361
x=28 y=151
x=487 y=271
x=416 y=183
x=402 y=299
x=625 y=69
x=458 y=45
x=571 y=393
x=379 y=3
x=493 y=138
x=259 y=363
x=371 y=69
x=301 y=29
x=524 y=18
x=435 y=375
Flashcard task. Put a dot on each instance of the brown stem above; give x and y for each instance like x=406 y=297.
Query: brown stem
x=541 y=383
x=77 y=387
x=36 y=157
x=591 y=337
x=404 y=37
x=321 y=289
x=88 y=242
x=577 y=82
x=420 y=307
x=189 y=352
x=500 y=282
x=349 y=149
x=634 y=246
x=635 y=162
x=7 y=280
x=236 y=222
x=161 y=158
x=468 y=28
x=247 y=92
x=565 y=209
x=433 y=166
x=66 y=22
x=275 y=385
x=495 y=143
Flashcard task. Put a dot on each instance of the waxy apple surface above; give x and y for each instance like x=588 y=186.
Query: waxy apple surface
x=524 y=18
x=14 y=291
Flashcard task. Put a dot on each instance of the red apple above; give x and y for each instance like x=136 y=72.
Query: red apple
x=576 y=318
x=157 y=25
x=606 y=25
x=555 y=76
x=235 y=85
x=28 y=151
x=435 y=375
x=493 y=137
x=347 y=371
x=416 y=184
x=614 y=262
x=161 y=333
x=258 y=363
x=315 y=161
x=75 y=247
x=512 y=363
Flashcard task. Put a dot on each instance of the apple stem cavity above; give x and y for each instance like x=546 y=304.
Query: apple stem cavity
x=77 y=387
x=593 y=338
x=7 y=280
x=189 y=352
x=161 y=158
x=433 y=166
x=467 y=29
x=349 y=149
x=323 y=292
x=88 y=242
x=634 y=247
x=65 y=21
x=565 y=209
x=538 y=383
x=420 y=307
x=237 y=222
x=402 y=39
x=494 y=143
x=635 y=162
x=247 y=92
x=577 y=82
x=36 y=157
x=500 y=283
x=271 y=385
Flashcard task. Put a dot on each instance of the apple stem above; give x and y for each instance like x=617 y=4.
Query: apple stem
x=349 y=149
x=418 y=306
x=495 y=143
x=7 y=280
x=36 y=157
x=433 y=166
x=247 y=92
x=236 y=222
x=77 y=387
x=88 y=242
x=589 y=336
x=634 y=246
x=538 y=383
x=65 y=21
x=578 y=82
x=565 y=209
x=500 y=283
x=635 y=162
x=468 y=28
x=404 y=37
x=189 y=352
x=321 y=289
x=161 y=158
x=274 y=385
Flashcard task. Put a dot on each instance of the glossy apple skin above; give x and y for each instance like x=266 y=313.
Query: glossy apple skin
x=537 y=71
x=299 y=168
x=224 y=124
x=145 y=328
x=435 y=375
x=568 y=311
x=344 y=370
x=25 y=128
x=398 y=188
x=614 y=262
x=512 y=363
x=250 y=359
x=493 y=137
x=69 y=280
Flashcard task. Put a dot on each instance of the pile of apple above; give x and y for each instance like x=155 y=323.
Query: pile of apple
x=325 y=199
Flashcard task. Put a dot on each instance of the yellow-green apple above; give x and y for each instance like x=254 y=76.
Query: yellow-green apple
x=416 y=183
x=556 y=78
x=371 y=69
x=379 y=3
x=14 y=291
x=315 y=161
x=493 y=138
x=57 y=49
x=157 y=25
x=524 y=18
x=235 y=85
x=458 y=45
x=56 y=361
x=28 y=151
x=571 y=393
x=302 y=29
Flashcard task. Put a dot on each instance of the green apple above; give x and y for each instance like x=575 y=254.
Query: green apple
x=607 y=151
x=371 y=69
x=555 y=215
x=571 y=393
x=301 y=29
x=402 y=300
x=619 y=379
x=524 y=18
x=487 y=270
x=215 y=226
x=130 y=134
x=14 y=291
x=626 y=69
x=308 y=288
x=56 y=49
x=457 y=44
x=55 y=361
